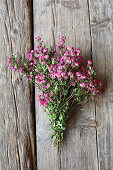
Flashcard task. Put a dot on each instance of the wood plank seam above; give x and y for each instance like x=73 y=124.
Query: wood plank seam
x=17 y=123
x=88 y=3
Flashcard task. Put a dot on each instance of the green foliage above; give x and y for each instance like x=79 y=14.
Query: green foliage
x=62 y=79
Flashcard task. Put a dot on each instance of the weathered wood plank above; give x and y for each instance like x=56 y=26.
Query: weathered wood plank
x=51 y=20
x=17 y=150
x=101 y=14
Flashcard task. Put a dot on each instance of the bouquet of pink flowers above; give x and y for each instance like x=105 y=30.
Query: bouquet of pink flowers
x=62 y=78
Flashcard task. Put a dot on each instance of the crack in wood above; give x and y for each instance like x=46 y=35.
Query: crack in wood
x=17 y=148
x=89 y=14
x=90 y=28
x=16 y=120
x=97 y=141
x=53 y=27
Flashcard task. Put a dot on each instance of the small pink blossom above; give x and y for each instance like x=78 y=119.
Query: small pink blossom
x=73 y=83
x=83 y=84
x=45 y=50
x=78 y=74
x=76 y=64
x=48 y=85
x=43 y=87
x=46 y=103
x=46 y=98
x=60 y=78
x=91 y=84
x=90 y=62
x=63 y=38
x=93 y=98
x=78 y=51
x=20 y=69
x=50 y=99
x=83 y=77
x=51 y=93
x=66 y=77
x=69 y=48
x=38 y=38
x=89 y=72
x=43 y=81
x=38 y=95
x=46 y=56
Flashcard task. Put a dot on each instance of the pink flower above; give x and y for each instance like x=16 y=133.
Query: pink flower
x=76 y=64
x=38 y=38
x=63 y=38
x=50 y=99
x=20 y=69
x=43 y=81
x=48 y=85
x=83 y=84
x=46 y=95
x=94 y=92
x=29 y=56
x=93 y=98
x=73 y=83
x=60 y=78
x=83 y=77
x=60 y=52
x=41 y=102
x=46 y=56
x=89 y=72
x=72 y=53
x=100 y=83
x=58 y=47
x=38 y=95
x=78 y=74
x=46 y=103
x=91 y=84
x=26 y=77
x=90 y=62
x=63 y=74
x=69 y=48
x=50 y=69
x=46 y=98
x=56 y=53
x=69 y=73
x=66 y=77
x=78 y=51
x=51 y=93
x=73 y=65
x=45 y=50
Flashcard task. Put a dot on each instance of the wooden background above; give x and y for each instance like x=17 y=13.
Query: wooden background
x=25 y=142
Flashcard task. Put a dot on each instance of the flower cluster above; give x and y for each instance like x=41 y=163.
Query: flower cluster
x=62 y=79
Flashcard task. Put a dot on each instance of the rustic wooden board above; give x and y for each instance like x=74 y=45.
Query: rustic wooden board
x=51 y=20
x=101 y=17
x=17 y=150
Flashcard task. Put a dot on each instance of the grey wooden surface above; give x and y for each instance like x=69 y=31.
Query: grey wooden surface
x=88 y=141
x=17 y=150
x=79 y=149
x=101 y=18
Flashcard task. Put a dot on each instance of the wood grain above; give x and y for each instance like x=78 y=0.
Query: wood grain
x=17 y=151
x=51 y=20
x=102 y=49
